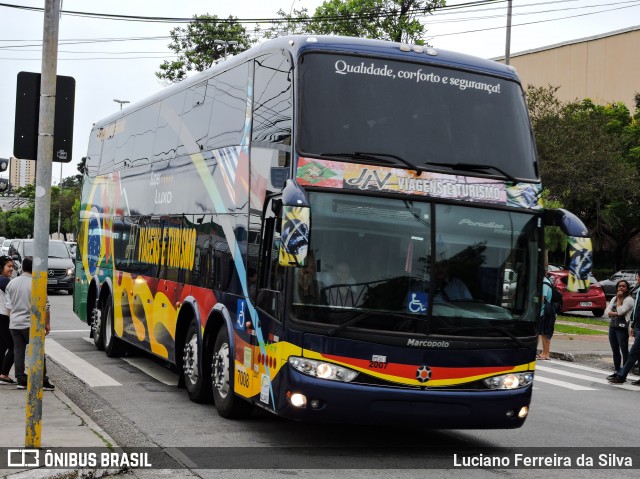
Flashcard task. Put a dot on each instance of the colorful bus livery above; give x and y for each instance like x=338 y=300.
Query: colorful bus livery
x=321 y=227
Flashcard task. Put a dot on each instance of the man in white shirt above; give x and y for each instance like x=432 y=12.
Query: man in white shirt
x=18 y=303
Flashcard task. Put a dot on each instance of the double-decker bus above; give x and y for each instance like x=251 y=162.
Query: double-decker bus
x=322 y=227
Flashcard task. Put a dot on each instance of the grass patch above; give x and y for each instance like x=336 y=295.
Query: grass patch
x=578 y=319
x=563 y=328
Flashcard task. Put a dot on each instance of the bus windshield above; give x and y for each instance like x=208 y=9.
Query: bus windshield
x=406 y=266
x=430 y=117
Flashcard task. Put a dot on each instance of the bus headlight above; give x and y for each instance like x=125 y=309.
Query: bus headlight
x=509 y=381
x=322 y=370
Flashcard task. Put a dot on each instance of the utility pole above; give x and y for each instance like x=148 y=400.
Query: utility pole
x=507 y=48
x=41 y=223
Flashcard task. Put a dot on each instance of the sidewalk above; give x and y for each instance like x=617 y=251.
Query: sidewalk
x=65 y=425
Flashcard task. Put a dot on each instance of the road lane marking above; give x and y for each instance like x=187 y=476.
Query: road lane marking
x=586 y=378
x=157 y=372
x=150 y=368
x=78 y=366
x=563 y=384
x=70 y=331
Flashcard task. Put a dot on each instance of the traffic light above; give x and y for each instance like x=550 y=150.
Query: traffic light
x=25 y=135
x=4 y=164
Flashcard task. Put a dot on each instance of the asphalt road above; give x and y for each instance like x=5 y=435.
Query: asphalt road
x=574 y=411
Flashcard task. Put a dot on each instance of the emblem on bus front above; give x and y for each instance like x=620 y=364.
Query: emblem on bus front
x=423 y=374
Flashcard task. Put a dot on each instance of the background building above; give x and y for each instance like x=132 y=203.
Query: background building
x=604 y=68
x=22 y=172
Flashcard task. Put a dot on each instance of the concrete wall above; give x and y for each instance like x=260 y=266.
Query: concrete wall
x=605 y=68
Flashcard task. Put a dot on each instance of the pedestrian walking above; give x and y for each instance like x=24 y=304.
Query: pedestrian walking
x=6 y=341
x=618 y=312
x=18 y=303
x=634 y=353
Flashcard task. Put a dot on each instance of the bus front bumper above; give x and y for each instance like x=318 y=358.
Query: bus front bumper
x=435 y=408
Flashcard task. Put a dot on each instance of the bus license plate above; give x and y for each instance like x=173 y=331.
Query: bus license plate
x=585 y=303
x=52 y=281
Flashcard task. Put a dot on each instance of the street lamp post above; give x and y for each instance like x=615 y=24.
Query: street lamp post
x=226 y=43
x=121 y=102
x=60 y=201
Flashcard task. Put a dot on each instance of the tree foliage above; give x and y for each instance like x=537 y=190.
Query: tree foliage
x=587 y=161
x=395 y=20
x=196 y=45
x=18 y=222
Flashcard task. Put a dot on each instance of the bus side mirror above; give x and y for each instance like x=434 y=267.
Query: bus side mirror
x=295 y=226
x=579 y=248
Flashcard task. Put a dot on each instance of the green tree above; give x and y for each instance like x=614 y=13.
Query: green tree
x=395 y=20
x=584 y=152
x=196 y=48
x=20 y=222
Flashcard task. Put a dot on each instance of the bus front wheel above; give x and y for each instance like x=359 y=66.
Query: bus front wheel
x=227 y=403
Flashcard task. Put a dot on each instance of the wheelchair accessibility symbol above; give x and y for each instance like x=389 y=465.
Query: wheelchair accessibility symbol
x=241 y=314
x=417 y=302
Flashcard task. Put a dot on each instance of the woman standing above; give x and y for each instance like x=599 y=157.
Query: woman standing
x=6 y=341
x=619 y=311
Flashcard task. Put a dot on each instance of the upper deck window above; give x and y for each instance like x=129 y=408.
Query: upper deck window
x=420 y=113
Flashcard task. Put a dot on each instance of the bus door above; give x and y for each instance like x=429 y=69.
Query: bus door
x=269 y=303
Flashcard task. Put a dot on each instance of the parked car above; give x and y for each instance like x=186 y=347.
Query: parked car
x=4 y=249
x=61 y=271
x=72 y=245
x=609 y=285
x=592 y=299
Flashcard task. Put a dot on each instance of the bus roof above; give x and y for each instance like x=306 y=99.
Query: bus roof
x=299 y=44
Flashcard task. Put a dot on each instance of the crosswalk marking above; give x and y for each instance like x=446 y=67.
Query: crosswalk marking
x=563 y=384
x=560 y=372
x=78 y=366
x=569 y=364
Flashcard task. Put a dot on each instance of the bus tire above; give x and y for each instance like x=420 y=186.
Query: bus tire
x=113 y=346
x=227 y=403
x=97 y=328
x=195 y=369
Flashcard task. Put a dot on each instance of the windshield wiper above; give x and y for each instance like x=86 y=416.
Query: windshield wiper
x=360 y=317
x=376 y=157
x=494 y=328
x=475 y=167
x=346 y=324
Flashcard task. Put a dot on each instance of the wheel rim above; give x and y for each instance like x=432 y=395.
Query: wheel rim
x=220 y=370
x=190 y=360
x=95 y=326
x=107 y=327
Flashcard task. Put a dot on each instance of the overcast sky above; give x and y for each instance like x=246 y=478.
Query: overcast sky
x=124 y=70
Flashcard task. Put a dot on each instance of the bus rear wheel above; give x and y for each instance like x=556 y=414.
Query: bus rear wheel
x=96 y=327
x=195 y=369
x=227 y=403
x=113 y=346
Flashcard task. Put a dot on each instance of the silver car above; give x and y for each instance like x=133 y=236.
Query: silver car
x=609 y=285
x=4 y=249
